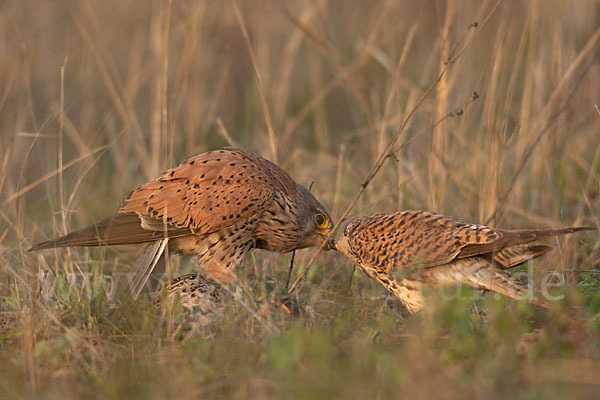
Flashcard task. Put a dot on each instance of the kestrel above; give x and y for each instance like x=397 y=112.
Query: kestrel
x=435 y=250
x=215 y=206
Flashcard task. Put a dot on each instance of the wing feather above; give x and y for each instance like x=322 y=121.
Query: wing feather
x=414 y=238
x=121 y=228
x=211 y=191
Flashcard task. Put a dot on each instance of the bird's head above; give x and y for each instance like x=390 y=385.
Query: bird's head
x=293 y=222
x=315 y=224
x=343 y=243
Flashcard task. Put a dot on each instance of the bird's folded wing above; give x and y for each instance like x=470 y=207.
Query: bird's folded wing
x=415 y=238
x=209 y=192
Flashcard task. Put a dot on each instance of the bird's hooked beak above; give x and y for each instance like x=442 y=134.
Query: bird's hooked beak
x=330 y=245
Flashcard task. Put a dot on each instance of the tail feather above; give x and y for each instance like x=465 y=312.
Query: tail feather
x=529 y=235
x=514 y=238
x=144 y=266
x=514 y=255
x=121 y=228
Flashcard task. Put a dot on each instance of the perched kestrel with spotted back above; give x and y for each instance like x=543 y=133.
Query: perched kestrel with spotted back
x=215 y=206
x=436 y=250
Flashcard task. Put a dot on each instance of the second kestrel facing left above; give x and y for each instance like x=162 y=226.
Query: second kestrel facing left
x=215 y=206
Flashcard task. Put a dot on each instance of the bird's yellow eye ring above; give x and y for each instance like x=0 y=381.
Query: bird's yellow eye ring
x=321 y=220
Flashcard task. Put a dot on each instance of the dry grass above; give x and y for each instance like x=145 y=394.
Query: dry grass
x=100 y=96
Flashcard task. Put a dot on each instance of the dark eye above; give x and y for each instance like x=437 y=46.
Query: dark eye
x=321 y=220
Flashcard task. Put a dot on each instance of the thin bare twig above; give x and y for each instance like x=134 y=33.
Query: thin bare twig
x=456 y=112
x=384 y=155
x=289 y=277
x=61 y=129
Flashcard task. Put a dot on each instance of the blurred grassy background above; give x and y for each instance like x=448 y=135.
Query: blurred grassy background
x=96 y=97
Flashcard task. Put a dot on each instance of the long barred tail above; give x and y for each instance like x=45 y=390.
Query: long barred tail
x=514 y=255
x=121 y=228
x=536 y=234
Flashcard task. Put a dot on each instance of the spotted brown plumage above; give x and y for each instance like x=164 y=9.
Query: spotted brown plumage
x=195 y=292
x=215 y=206
x=436 y=250
x=204 y=299
x=202 y=296
x=211 y=191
